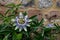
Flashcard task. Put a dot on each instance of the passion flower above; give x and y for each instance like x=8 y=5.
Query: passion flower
x=50 y=26
x=21 y=22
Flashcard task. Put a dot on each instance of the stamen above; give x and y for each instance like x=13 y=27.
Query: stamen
x=21 y=21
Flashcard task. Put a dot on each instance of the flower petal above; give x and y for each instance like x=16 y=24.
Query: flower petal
x=26 y=17
x=17 y=18
x=21 y=15
x=13 y=20
x=28 y=25
x=30 y=20
x=20 y=30
x=16 y=28
x=25 y=28
x=14 y=24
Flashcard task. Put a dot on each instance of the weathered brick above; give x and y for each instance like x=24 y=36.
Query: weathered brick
x=53 y=14
x=3 y=9
x=37 y=12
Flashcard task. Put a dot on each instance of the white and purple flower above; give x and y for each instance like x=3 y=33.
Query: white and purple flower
x=21 y=22
x=50 y=26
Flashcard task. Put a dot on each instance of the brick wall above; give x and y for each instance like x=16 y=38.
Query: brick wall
x=33 y=10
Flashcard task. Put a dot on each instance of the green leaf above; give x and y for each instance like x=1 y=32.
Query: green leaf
x=1 y=15
x=11 y=5
x=57 y=27
x=19 y=36
x=7 y=11
x=25 y=13
x=47 y=30
x=6 y=37
x=11 y=11
x=7 y=20
x=39 y=37
x=19 y=5
x=33 y=17
x=41 y=22
x=3 y=28
x=36 y=23
x=16 y=36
